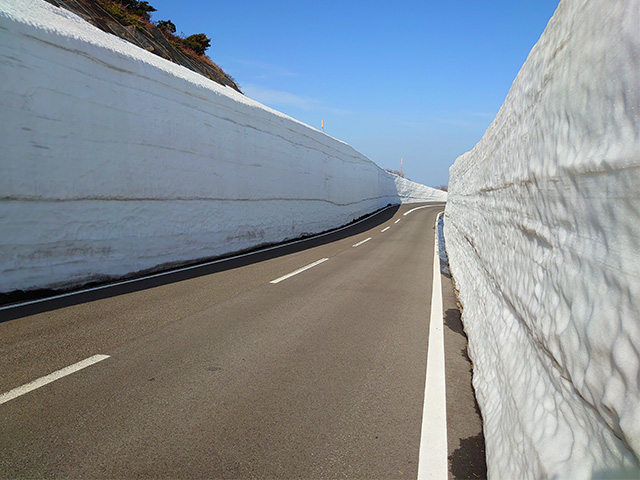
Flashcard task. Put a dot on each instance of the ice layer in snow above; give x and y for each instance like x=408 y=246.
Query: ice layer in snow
x=115 y=160
x=543 y=235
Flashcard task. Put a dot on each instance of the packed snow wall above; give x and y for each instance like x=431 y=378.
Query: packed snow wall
x=542 y=228
x=412 y=192
x=115 y=161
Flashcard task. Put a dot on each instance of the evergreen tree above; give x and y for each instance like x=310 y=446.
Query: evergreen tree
x=167 y=25
x=198 y=42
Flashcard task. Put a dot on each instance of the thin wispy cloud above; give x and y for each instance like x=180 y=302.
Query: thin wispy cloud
x=336 y=111
x=279 y=99
x=267 y=70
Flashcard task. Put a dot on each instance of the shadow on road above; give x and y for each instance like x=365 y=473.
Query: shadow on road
x=196 y=269
x=452 y=320
x=468 y=461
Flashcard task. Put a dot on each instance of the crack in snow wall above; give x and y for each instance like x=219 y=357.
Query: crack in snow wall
x=543 y=235
x=115 y=160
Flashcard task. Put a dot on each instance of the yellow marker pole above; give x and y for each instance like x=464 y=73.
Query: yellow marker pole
x=322 y=125
x=401 y=166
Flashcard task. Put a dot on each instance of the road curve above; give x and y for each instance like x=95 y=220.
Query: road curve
x=225 y=373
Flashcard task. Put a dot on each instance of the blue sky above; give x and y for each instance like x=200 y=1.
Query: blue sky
x=418 y=80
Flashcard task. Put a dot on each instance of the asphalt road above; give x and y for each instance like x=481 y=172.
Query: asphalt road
x=215 y=372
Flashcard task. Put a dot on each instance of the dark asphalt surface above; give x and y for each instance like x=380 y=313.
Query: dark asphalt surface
x=217 y=373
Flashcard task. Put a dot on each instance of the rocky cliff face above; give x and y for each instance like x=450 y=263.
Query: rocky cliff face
x=147 y=36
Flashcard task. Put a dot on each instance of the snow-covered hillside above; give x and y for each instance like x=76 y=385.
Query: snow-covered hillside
x=543 y=234
x=115 y=160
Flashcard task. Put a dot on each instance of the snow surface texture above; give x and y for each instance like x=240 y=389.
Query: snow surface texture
x=115 y=160
x=411 y=192
x=542 y=227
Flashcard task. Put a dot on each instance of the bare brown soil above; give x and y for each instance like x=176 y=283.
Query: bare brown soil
x=146 y=35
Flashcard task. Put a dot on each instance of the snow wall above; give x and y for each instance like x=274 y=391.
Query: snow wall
x=542 y=228
x=116 y=161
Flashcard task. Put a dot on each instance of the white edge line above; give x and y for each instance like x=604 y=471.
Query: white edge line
x=300 y=270
x=52 y=377
x=385 y=229
x=360 y=243
x=432 y=461
x=184 y=269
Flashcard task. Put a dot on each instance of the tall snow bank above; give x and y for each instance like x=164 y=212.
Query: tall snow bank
x=412 y=192
x=543 y=227
x=115 y=160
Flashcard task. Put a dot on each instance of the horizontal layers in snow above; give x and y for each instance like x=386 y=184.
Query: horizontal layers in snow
x=542 y=228
x=115 y=160
x=412 y=192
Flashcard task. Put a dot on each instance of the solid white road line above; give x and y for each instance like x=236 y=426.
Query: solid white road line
x=300 y=270
x=397 y=220
x=360 y=243
x=52 y=377
x=417 y=208
x=183 y=269
x=385 y=229
x=432 y=463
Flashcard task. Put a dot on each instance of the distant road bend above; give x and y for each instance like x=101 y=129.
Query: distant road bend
x=302 y=361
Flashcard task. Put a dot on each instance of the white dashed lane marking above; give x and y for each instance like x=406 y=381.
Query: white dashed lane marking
x=363 y=241
x=300 y=270
x=52 y=377
x=414 y=209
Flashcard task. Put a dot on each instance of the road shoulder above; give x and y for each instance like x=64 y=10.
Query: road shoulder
x=466 y=448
